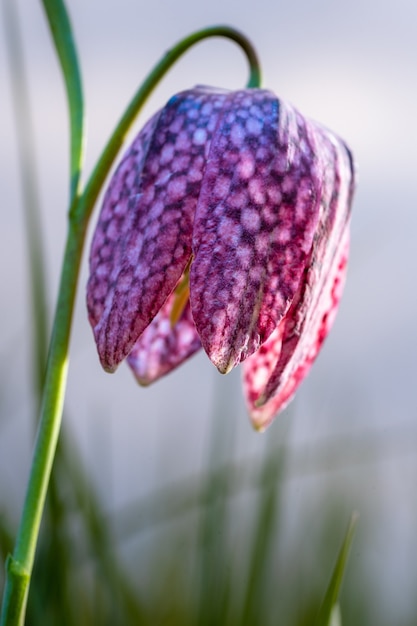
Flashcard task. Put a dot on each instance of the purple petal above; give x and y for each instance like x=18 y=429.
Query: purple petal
x=272 y=375
x=161 y=347
x=142 y=242
x=255 y=221
x=320 y=290
x=115 y=222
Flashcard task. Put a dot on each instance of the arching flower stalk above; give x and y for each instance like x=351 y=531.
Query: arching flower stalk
x=225 y=226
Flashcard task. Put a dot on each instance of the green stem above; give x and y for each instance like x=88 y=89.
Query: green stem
x=60 y=27
x=19 y=567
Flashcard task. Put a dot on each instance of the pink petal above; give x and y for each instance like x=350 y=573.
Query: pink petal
x=326 y=265
x=161 y=347
x=272 y=375
x=142 y=242
x=255 y=221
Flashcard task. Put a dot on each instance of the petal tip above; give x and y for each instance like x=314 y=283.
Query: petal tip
x=109 y=369
x=259 y=427
x=143 y=382
x=222 y=357
x=225 y=368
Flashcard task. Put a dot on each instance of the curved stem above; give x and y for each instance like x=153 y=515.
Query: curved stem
x=61 y=31
x=19 y=567
x=115 y=142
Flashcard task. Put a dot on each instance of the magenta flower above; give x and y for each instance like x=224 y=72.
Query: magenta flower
x=225 y=226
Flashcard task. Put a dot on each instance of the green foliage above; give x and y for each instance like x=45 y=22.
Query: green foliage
x=204 y=567
x=329 y=614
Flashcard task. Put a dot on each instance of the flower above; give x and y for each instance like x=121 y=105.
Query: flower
x=225 y=226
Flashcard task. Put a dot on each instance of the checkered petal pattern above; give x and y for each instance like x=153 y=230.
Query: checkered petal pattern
x=251 y=202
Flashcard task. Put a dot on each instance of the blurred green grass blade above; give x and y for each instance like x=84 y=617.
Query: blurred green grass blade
x=109 y=596
x=212 y=543
x=61 y=31
x=336 y=616
x=263 y=535
x=6 y=540
x=328 y=614
x=119 y=596
x=26 y=152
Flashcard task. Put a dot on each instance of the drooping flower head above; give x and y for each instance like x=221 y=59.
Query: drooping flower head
x=225 y=226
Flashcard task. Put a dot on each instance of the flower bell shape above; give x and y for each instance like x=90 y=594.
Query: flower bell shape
x=225 y=226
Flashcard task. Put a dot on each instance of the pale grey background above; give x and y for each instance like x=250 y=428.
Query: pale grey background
x=350 y=65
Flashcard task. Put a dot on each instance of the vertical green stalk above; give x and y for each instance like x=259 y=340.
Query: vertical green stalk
x=215 y=520
x=19 y=566
x=265 y=520
x=330 y=608
x=30 y=191
x=61 y=31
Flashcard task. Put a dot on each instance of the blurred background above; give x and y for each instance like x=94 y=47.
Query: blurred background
x=348 y=441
